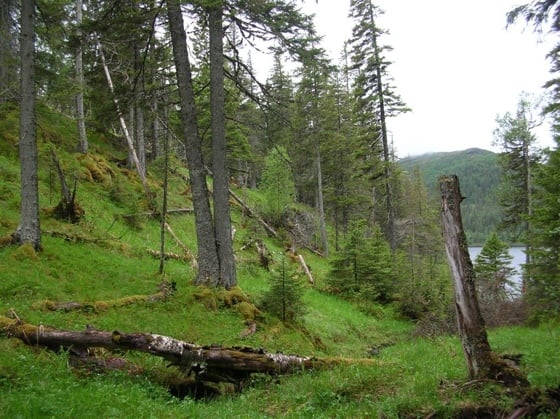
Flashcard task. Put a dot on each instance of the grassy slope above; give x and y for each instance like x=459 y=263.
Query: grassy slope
x=413 y=376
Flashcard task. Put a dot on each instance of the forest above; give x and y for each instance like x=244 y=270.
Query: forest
x=181 y=238
x=480 y=174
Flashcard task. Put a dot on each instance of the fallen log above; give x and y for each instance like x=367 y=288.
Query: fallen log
x=208 y=363
x=165 y=290
x=168 y=255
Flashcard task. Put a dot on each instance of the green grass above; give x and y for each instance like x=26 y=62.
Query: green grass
x=411 y=376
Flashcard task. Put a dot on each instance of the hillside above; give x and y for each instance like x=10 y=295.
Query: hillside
x=104 y=262
x=479 y=176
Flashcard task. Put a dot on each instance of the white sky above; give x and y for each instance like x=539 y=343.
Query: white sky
x=454 y=64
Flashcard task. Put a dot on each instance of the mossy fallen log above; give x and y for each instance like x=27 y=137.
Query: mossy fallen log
x=208 y=363
x=165 y=290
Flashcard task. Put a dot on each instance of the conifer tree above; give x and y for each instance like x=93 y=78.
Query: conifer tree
x=543 y=270
x=494 y=271
x=376 y=100
x=277 y=185
x=284 y=298
x=515 y=137
x=543 y=267
x=363 y=268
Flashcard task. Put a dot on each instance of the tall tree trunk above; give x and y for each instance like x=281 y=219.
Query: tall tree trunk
x=130 y=124
x=156 y=128
x=139 y=137
x=320 y=205
x=29 y=229
x=81 y=120
x=208 y=265
x=164 y=204
x=139 y=102
x=222 y=220
x=529 y=192
x=472 y=329
x=386 y=155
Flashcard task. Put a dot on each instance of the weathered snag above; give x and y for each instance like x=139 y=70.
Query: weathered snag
x=481 y=362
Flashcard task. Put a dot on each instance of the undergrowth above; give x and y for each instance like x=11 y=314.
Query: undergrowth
x=105 y=257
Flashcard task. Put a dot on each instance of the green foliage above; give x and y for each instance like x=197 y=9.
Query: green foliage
x=494 y=271
x=543 y=270
x=277 y=185
x=362 y=270
x=284 y=298
x=518 y=159
x=103 y=258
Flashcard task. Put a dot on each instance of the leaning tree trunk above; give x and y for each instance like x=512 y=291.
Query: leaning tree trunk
x=128 y=137
x=208 y=265
x=472 y=329
x=481 y=362
x=29 y=230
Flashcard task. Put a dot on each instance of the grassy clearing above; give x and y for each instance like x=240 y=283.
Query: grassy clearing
x=108 y=260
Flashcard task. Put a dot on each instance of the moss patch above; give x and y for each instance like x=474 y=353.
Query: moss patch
x=98 y=169
x=25 y=252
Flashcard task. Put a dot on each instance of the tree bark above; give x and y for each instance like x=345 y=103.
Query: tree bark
x=222 y=218
x=81 y=120
x=29 y=229
x=208 y=264
x=481 y=362
x=320 y=203
x=208 y=363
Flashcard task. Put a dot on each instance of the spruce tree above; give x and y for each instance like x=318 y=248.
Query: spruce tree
x=494 y=271
x=543 y=270
x=284 y=298
x=362 y=270
x=277 y=185
x=376 y=101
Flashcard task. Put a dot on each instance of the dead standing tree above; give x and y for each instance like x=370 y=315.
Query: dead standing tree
x=482 y=363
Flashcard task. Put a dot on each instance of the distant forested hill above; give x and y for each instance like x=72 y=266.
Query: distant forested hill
x=479 y=177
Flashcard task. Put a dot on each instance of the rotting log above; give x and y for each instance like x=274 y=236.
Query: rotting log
x=165 y=290
x=482 y=363
x=208 y=363
x=169 y=255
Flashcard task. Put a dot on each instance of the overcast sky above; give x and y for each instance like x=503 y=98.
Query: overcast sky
x=454 y=64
